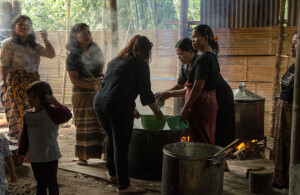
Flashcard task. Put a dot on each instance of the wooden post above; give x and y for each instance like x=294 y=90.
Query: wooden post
x=127 y=34
x=5 y=15
x=16 y=8
x=275 y=90
x=182 y=32
x=104 y=32
x=67 y=37
x=294 y=182
x=114 y=27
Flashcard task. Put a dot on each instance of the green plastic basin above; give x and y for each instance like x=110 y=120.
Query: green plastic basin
x=149 y=122
x=174 y=123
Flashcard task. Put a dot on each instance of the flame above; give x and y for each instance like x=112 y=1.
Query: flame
x=240 y=146
x=185 y=139
x=255 y=140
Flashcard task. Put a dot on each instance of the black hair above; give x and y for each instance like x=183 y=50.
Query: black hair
x=16 y=37
x=73 y=44
x=185 y=44
x=204 y=30
x=41 y=89
x=296 y=32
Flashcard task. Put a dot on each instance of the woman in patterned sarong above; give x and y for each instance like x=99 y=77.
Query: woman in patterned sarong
x=20 y=60
x=283 y=124
x=84 y=65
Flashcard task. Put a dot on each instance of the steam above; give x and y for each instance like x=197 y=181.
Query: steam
x=94 y=59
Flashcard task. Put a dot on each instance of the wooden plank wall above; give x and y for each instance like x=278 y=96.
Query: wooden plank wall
x=246 y=55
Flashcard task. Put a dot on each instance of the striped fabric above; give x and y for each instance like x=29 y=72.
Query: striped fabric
x=89 y=132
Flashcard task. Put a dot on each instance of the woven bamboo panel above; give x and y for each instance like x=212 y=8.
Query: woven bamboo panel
x=246 y=54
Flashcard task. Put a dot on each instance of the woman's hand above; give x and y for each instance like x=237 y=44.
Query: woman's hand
x=137 y=114
x=3 y=86
x=163 y=96
x=96 y=87
x=184 y=115
x=44 y=34
x=158 y=115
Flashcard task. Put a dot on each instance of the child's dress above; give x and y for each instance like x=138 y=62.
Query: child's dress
x=4 y=151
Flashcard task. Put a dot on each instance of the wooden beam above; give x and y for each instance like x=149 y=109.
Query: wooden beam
x=182 y=32
x=275 y=90
x=67 y=37
x=114 y=27
x=294 y=185
x=176 y=22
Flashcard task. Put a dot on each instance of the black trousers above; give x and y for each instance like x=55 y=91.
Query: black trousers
x=45 y=175
x=118 y=127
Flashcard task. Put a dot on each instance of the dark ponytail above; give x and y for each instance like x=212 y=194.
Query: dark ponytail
x=204 y=30
x=185 y=44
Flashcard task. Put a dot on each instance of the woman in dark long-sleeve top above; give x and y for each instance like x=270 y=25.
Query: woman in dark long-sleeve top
x=127 y=76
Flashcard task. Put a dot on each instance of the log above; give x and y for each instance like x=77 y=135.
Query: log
x=228 y=146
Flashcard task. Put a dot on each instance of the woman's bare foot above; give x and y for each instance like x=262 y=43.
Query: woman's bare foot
x=112 y=179
x=132 y=190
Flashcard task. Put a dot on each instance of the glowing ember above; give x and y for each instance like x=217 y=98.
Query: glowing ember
x=240 y=146
x=255 y=140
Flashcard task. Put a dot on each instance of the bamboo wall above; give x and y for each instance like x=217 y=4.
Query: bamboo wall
x=246 y=55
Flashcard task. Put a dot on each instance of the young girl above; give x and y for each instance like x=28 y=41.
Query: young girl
x=39 y=135
x=5 y=158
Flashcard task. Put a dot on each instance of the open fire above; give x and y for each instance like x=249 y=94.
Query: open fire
x=185 y=139
x=247 y=149
x=243 y=144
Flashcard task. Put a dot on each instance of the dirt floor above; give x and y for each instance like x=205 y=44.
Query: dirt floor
x=72 y=183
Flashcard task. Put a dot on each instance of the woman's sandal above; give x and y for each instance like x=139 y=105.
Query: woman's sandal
x=132 y=190
x=82 y=162
x=112 y=179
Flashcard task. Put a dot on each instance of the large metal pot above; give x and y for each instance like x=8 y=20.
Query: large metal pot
x=189 y=168
x=249 y=113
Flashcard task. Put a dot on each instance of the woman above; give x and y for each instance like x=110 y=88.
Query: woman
x=283 y=124
x=127 y=76
x=84 y=66
x=225 y=126
x=225 y=122
x=20 y=60
x=199 y=76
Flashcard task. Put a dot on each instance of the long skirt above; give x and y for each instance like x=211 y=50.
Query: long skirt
x=282 y=142
x=202 y=116
x=89 y=132
x=225 y=126
x=14 y=102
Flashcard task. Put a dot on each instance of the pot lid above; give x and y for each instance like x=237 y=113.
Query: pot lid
x=242 y=94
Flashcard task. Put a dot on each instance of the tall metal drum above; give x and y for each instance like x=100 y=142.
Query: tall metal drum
x=249 y=113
